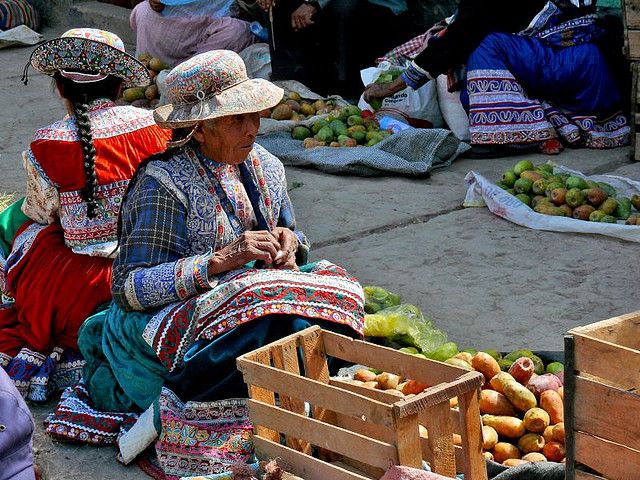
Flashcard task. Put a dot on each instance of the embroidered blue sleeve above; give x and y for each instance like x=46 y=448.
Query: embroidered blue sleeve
x=153 y=267
x=415 y=77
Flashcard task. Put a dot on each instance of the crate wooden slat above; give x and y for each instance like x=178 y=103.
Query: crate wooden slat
x=602 y=401
x=364 y=429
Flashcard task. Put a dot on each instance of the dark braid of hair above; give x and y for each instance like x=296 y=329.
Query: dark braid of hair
x=88 y=193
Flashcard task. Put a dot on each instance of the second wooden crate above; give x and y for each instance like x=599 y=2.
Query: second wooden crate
x=602 y=400
x=362 y=429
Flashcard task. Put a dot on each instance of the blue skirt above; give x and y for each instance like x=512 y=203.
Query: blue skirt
x=522 y=91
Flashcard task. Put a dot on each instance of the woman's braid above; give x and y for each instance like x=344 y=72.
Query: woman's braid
x=88 y=193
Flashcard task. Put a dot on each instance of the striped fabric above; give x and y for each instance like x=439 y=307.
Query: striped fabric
x=14 y=13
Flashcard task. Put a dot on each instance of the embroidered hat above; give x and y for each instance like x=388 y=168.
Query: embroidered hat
x=88 y=55
x=16 y=430
x=211 y=85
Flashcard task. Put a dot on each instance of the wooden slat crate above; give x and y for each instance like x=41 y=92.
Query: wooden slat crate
x=355 y=433
x=602 y=400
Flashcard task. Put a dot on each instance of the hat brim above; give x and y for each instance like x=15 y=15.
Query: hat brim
x=85 y=55
x=250 y=96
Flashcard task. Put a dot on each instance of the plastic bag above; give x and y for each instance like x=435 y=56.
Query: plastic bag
x=408 y=105
x=452 y=111
x=482 y=192
x=407 y=325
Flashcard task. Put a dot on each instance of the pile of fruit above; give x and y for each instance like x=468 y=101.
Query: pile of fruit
x=565 y=195
x=343 y=127
x=522 y=398
x=293 y=107
x=145 y=97
x=522 y=411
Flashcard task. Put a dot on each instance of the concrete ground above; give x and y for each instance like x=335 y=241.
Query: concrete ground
x=487 y=282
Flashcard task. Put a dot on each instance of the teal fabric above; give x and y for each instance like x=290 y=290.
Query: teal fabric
x=122 y=373
x=11 y=219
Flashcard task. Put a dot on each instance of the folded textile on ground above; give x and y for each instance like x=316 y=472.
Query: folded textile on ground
x=411 y=153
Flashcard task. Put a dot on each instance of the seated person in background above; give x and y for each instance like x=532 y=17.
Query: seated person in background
x=324 y=44
x=174 y=39
x=534 y=74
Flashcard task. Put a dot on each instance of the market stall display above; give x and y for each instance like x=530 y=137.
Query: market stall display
x=555 y=198
x=603 y=401
x=522 y=398
x=366 y=428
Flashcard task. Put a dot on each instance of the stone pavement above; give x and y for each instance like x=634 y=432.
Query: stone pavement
x=487 y=282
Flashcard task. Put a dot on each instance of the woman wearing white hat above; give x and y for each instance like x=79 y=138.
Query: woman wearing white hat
x=55 y=269
x=211 y=264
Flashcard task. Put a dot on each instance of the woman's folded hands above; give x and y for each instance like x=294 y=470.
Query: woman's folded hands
x=276 y=249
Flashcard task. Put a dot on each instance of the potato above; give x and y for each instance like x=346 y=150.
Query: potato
x=534 y=457
x=489 y=437
x=519 y=396
x=511 y=427
x=387 y=381
x=485 y=364
x=411 y=386
x=488 y=456
x=542 y=383
x=531 y=442
x=364 y=375
x=548 y=434
x=504 y=451
x=522 y=369
x=495 y=403
x=551 y=402
x=558 y=432
x=500 y=380
x=513 y=462
x=561 y=393
x=536 y=420
x=554 y=451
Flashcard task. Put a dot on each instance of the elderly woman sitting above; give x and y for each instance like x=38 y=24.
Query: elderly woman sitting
x=211 y=264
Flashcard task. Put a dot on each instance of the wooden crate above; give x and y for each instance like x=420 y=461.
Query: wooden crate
x=602 y=400
x=357 y=432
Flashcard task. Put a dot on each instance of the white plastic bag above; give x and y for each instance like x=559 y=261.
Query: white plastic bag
x=257 y=59
x=482 y=192
x=408 y=104
x=452 y=112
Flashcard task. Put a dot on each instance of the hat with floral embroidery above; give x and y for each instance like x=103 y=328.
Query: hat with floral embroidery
x=88 y=55
x=211 y=85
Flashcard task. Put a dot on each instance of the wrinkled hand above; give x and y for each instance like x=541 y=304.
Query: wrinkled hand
x=377 y=90
x=286 y=259
x=251 y=245
x=303 y=16
x=156 y=5
x=266 y=4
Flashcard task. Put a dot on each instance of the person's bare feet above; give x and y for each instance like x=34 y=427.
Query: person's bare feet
x=551 y=147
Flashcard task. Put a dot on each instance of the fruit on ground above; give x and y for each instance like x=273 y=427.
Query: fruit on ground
x=522 y=185
x=520 y=396
x=574 y=197
x=315 y=128
x=551 y=402
x=536 y=420
x=533 y=176
x=509 y=178
x=506 y=426
x=568 y=211
x=576 y=182
x=623 y=210
x=495 y=403
x=542 y=383
x=539 y=187
x=596 y=216
x=534 y=457
x=522 y=166
x=300 y=133
x=524 y=198
x=489 y=437
x=609 y=206
x=531 y=442
x=555 y=367
x=485 y=364
x=558 y=196
x=554 y=451
x=595 y=196
x=325 y=134
x=522 y=370
x=504 y=451
x=583 y=212
x=282 y=112
x=558 y=432
x=133 y=94
x=500 y=380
